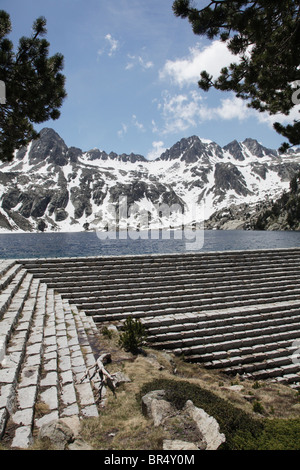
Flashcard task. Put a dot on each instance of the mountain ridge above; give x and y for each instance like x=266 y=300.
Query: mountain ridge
x=52 y=187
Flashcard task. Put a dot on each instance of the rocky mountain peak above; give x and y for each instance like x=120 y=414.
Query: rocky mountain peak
x=235 y=149
x=49 y=146
x=96 y=154
x=258 y=149
x=188 y=150
x=132 y=158
x=51 y=187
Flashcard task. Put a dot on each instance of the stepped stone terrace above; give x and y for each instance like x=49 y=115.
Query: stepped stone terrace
x=237 y=311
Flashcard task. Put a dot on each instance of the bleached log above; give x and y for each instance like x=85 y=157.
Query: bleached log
x=105 y=376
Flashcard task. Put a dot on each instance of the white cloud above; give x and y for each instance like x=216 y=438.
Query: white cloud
x=133 y=123
x=112 y=45
x=184 y=111
x=231 y=108
x=180 y=111
x=129 y=66
x=186 y=71
x=266 y=118
x=137 y=124
x=154 y=125
x=123 y=130
x=138 y=60
x=157 y=149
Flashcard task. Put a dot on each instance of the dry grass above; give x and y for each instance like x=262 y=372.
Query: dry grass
x=122 y=426
x=278 y=400
x=41 y=409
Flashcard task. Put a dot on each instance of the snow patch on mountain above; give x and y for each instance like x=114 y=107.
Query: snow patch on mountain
x=50 y=187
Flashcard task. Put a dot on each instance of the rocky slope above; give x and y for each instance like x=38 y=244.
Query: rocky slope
x=280 y=214
x=51 y=187
x=284 y=213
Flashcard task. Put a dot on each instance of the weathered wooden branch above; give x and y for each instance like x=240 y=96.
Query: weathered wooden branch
x=105 y=377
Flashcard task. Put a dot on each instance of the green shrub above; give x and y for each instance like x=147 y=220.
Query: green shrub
x=256 y=385
x=277 y=434
x=242 y=431
x=133 y=336
x=106 y=332
x=258 y=408
x=280 y=434
x=238 y=426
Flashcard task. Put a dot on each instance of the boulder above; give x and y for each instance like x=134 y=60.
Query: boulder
x=200 y=430
x=147 y=399
x=58 y=433
x=154 y=362
x=207 y=425
x=160 y=411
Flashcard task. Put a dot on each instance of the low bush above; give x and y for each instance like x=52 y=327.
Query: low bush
x=133 y=336
x=258 y=408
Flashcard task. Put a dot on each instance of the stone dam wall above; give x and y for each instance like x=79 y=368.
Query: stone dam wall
x=236 y=311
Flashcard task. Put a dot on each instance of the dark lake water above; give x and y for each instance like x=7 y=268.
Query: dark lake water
x=39 y=245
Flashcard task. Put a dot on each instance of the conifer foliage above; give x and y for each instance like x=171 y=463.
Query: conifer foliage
x=34 y=85
x=133 y=336
x=265 y=37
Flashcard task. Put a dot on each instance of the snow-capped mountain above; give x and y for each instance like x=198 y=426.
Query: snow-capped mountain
x=51 y=187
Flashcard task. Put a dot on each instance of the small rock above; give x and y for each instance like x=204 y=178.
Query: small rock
x=147 y=399
x=79 y=444
x=58 y=432
x=119 y=378
x=73 y=422
x=154 y=362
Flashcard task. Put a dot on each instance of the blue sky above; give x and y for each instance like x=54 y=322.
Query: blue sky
x=131 y=72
